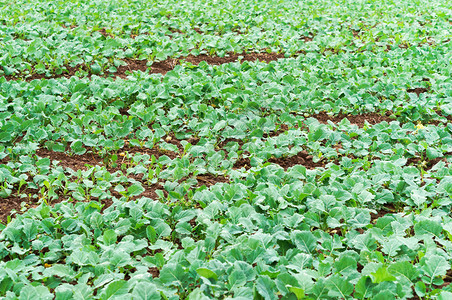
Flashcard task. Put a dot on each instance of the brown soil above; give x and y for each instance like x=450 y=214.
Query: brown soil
x=75 y=162
x=386 y=209
x=14 y=202
x=157 y=67
x=149 y=190
x=440 y=113
x=371 y=118
x=192 y=222
x=175 y=30
x=222 y=144
x=104 y=32
x=155 y=151
x=355 y=32
x=308 y=38
x=84 y=161
x=242 y=163
x=154 y=271
x=232 y=57
x=72 y=26
x=132 y=65
x=428 y=164
x=447 y=279
x=302 y=158
x=418 y=90
x=124 y=111
x=80 y=162
x=209 y=180
x=171 y=139
x=283 y=128
x=193 y=140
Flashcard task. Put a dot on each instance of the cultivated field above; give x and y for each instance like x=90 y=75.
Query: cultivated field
x=241 y=149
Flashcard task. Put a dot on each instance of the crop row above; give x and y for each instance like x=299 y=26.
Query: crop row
x=38 y=42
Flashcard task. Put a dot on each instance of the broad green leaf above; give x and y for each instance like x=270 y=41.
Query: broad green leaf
x=110 y=237
x=135 y=190
x=338 y=287
x=364 y=286
x=35 y=292
x=420 y=288
x=64 y=292
x=384 y=295
x=197 y=294
x=266 y=287
x=404 y=270
x=428 y=227
x=434 y=266
x=382 y=275
x=237 y=278
x=345 y=264
x=145 y=291
x=172 y=275
x=151 y=234
x=299 y=292
x=206 y=273
x=115 y=290
x=304 y=240
x=445 y=295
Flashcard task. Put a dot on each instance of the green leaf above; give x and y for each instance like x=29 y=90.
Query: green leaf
x=304 y=240
x=382 y=274
x=95 y=68
x=237 y=278
x=363 y=288
x=197 y=294
x=428 y=227
x=345 y=264
x=110 y=237
x=151 y=234
x=34 y=293
x=299 y=292
x=206 y=273
x=445 y=295
x=9 y=71
x=404 y=270
x=220 y=125
x=64 y=292
x=145 y=291
x=266 y=287
x=5 y=137
x=384 y=295
x=420 y=289
x=115 y=289
x=162 y=229
x=172 y=275
x=77 y=147
x=419 y=196
x=135 y=190
x=338 y=287
x=434 y=266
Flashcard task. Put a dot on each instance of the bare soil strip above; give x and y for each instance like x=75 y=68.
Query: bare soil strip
x=359 y=120
x=83 y=162
x=157 y=67
x=418 y=90
x=301 y=158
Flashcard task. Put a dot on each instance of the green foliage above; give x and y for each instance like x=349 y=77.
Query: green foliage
x=226 y=181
